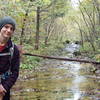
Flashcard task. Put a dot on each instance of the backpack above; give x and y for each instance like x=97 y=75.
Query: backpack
x=7 y=73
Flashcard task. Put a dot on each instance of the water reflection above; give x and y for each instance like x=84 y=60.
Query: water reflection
x=57 y=84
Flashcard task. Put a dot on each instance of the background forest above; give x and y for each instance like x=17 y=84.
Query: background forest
x=43 y=24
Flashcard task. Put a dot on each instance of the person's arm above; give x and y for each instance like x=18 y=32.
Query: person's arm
x=9 y=82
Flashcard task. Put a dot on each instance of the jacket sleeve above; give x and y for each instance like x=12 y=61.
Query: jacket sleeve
x=9 y=82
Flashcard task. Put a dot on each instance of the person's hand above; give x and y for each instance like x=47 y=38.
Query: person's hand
x=2 y=90
x=1 y=96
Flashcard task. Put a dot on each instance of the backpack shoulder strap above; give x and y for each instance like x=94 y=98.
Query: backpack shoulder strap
x=12 y=50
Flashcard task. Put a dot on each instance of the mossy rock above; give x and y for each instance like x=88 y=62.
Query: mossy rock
x=77 y=53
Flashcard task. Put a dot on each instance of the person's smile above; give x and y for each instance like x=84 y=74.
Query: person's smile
x=7 y=31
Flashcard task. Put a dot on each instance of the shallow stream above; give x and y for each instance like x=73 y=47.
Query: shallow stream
x=58 y=80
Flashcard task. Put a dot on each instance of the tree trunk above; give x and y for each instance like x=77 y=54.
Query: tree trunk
x=23 y=28
x=37 y=29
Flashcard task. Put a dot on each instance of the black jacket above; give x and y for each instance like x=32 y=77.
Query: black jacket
x=5 y=65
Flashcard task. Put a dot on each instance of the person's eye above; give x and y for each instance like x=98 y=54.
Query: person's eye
x=11 y=29
x=6 y=26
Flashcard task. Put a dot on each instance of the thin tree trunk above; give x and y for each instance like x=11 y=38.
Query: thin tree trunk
x=91 y=38
x=37 y=29
x=97 y=5
x=23 y=28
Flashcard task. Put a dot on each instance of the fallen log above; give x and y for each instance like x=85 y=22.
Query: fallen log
x=66 y=59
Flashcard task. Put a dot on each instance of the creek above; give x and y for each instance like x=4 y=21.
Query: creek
x=58 y=80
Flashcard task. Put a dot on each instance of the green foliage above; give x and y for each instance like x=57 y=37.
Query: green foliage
x=60 y=8
x=87 y=47
x=88 y=52
x=41 y=3
x=29 y=62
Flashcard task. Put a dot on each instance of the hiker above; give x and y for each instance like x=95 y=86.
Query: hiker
x=9 y=57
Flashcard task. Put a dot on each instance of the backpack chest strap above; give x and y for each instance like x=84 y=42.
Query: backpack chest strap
x=11 y=51
x=5 y=54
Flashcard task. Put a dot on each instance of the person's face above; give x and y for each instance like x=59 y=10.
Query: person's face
x=7 y=31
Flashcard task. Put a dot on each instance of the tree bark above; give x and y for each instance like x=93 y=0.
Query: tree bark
x=66 y=59
x=23 y=28
x=37 y=29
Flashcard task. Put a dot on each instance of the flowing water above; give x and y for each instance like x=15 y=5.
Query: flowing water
x=58 y=80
